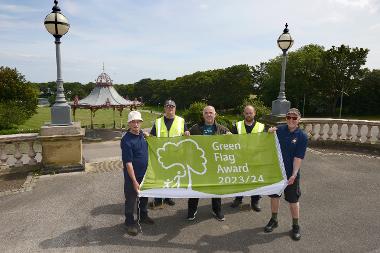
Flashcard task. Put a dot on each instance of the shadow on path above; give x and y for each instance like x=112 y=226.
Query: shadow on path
x=86 y=236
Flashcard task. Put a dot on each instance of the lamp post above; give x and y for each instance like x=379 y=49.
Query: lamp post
x=280 y=106
x=58 y=25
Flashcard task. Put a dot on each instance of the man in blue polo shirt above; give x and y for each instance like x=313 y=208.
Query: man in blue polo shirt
x=293 y=142
x=134 y=149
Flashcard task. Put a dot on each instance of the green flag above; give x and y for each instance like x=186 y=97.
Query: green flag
x=214 y=166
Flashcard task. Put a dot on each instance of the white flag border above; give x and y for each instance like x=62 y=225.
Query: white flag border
x=276 y=188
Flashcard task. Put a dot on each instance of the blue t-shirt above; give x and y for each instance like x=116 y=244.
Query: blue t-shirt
x=134 y=149
x=293 y=144
x=209 y=129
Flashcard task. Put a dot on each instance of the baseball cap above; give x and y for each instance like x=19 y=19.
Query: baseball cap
x=294 y=111
x=134 y=115
x=169 y=102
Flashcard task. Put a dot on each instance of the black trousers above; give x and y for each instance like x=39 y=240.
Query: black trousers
x=130 y=201
x=254 y=198
x=193 y=205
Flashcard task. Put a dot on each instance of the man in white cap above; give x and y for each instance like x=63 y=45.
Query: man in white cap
x=169 y=125
x=135 y=162
x=293 y=142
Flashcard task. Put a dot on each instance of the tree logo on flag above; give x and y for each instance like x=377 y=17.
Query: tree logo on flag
x=169 y=157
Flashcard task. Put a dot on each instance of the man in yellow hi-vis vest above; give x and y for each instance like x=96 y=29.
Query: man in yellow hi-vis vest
x=169 y=125
x=248 y=126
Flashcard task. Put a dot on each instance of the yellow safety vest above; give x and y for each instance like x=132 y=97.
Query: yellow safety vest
x=259 y=127
x=177 y=128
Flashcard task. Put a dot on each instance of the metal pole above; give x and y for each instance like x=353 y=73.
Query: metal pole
x=60 y=111
x=281 y=94
x=280 y=106
x=60 y=98
x=341 y=104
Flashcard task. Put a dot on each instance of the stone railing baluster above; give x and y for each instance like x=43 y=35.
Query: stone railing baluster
x=359 y=134
x=330 y=131
x=324 y=129
x=3 y=156
x=18 y=155
x=339 y=133
x=16 y=144
x=349 y=132
x=32 y=154
x=321 y=131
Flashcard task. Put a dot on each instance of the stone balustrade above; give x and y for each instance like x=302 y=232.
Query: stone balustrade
x=327 y=129
x=19 y=149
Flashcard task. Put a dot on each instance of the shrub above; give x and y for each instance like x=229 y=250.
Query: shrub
x=259 y=106
x=194 y=114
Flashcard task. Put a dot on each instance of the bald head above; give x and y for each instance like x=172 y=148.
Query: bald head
x=249 y=114
x=209 y=115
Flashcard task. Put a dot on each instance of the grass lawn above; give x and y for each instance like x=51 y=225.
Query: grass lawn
x=105 y=117
x=101 y=117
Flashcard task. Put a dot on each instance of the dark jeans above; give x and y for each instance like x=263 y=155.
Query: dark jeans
x=254 y=198
x=193 y=205
x=130 y=201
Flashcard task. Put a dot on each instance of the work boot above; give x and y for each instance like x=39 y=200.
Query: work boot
x=219 y=216
x=296 y=233
x=132 y=230
x=147 y=220
x=255 y=206
x=272 y=224
x=170 y=202
x=236 y=203
x=156 y=205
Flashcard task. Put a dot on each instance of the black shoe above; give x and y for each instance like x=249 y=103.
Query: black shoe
x=147 y=220
x=272 y=224
x=132 y=230
x=156 y=205
x=236 y=203
x=296 y=233
x=255 y=206
x=170 y=202
x=191 y=216
x=219 y=216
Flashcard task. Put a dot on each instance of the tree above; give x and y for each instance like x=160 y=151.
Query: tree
x=365 y=100
x=18 y=98
x=342 y=70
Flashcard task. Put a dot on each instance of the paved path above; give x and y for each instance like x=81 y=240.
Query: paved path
x=82 y=212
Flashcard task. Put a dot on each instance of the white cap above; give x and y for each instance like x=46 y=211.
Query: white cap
x=134 y=115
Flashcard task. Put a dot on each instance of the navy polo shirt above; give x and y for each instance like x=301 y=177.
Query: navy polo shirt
x=293 y=144
x=134 y=149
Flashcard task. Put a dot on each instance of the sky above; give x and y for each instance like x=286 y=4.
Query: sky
x=165 y=39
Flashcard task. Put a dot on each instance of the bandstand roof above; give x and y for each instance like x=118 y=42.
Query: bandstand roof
x=104 y=95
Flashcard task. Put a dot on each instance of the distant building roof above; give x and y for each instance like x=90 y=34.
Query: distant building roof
x=104 y=95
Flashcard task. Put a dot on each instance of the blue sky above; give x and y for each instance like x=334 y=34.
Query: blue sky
x=164 y=39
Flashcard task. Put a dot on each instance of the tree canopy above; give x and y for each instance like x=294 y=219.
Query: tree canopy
x=18 y=98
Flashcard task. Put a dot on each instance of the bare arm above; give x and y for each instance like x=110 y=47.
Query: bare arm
x=131 y=174
x=296 y=167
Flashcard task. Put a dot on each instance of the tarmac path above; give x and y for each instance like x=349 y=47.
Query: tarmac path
x=83 y=212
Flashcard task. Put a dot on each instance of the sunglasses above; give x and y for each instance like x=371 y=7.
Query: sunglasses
x=290 y=117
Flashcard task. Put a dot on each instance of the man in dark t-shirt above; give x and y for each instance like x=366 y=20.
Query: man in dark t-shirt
x=134 y=149
x=293 y=142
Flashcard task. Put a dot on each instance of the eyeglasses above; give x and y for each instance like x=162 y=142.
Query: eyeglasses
x=290 y=117
x=169 y=106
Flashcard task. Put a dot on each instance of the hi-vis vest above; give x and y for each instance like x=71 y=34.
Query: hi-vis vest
x=259 y=127
x=177 y=128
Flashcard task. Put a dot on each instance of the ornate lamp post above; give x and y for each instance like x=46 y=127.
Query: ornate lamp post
x=280 y=106
x=58 y=25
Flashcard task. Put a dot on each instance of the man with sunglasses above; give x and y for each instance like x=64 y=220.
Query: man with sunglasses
x=293 y=142
x=169 y=125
